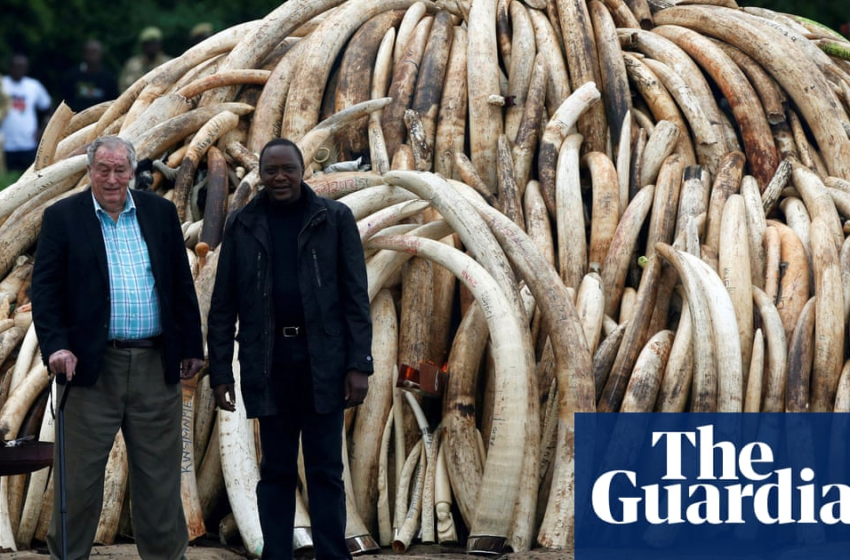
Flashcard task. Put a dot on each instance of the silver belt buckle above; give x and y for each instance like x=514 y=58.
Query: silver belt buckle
x=290 y=332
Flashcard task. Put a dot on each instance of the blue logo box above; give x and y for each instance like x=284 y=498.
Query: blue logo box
x=712 y=486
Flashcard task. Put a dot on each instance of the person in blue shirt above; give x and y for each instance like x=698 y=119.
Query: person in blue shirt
x=118 y=323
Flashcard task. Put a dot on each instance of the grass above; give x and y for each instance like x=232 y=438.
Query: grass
x=7 y=179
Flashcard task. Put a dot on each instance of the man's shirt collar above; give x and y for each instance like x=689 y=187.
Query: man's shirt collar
x=129 y=204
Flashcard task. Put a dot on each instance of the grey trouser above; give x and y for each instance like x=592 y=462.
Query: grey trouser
x=130 y=394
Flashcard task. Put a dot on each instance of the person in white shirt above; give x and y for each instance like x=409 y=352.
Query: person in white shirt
x=4 y=108
x=21 y=125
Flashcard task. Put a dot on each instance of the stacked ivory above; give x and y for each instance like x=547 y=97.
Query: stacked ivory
x=642 y=203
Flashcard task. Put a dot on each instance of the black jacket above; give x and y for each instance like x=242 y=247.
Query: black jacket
x=70 y=284
x=334 y=293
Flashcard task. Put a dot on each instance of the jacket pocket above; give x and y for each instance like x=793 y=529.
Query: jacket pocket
x=252 y=362
x=332 y=328
x=248 y=334
x=317 y=272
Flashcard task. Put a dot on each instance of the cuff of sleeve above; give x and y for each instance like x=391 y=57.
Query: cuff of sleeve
x=49 y=349
x=364 y=365
x=221 y=378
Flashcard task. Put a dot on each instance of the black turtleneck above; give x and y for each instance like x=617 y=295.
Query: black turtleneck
x=285 y=222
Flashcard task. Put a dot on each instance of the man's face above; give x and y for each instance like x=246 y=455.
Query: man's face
x=151 y=48
x=18 y=67
x=92 y=53
x=110 y=176
x=281 y=174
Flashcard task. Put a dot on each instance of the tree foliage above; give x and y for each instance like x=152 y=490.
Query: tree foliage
x=52 y=32
x=831 y=13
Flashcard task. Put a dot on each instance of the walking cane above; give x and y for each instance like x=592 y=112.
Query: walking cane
x=63 y=506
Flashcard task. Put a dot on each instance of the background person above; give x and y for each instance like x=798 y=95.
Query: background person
x=90 y=82
x=150 y=40
x=115 y=312
x=291 y=270
x=200 y=32
x=4 y=108
x=4 y=101
x=29 y=104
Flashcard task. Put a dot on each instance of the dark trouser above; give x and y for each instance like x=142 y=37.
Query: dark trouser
x=321 y=440
x=130 y=394
x=19 y=161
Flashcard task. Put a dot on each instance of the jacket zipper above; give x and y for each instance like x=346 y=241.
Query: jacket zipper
x=261 y=289
x=316 y=267
x=259 y=272
x=310 y=223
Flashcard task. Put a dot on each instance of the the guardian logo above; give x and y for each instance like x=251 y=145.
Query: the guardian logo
x=759 y=487
x=711 y=485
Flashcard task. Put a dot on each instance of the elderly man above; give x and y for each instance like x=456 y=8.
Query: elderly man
x=117 y=319
x=291 y=270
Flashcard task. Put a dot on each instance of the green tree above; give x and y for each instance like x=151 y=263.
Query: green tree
x=830 y=13
x=52 y=32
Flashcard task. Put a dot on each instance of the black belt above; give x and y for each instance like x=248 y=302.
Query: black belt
x=135 y=342
x=290 y=332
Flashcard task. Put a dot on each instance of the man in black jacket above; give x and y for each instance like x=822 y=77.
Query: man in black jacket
x=89 y=82
x=291 y=270
x=116 y=313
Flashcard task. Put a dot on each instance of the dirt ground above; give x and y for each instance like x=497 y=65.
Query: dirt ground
x=209 y=549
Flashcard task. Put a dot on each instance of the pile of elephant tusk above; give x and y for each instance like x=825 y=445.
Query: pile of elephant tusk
x=569 y=206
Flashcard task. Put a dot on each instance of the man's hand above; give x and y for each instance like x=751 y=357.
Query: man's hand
x=63 y=362
x=356 y=387
x=189 y=367
x=225 y=396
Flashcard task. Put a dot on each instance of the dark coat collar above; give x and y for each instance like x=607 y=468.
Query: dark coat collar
x=254 y=212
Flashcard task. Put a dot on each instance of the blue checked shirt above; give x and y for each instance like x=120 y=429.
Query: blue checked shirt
x=134 y=311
